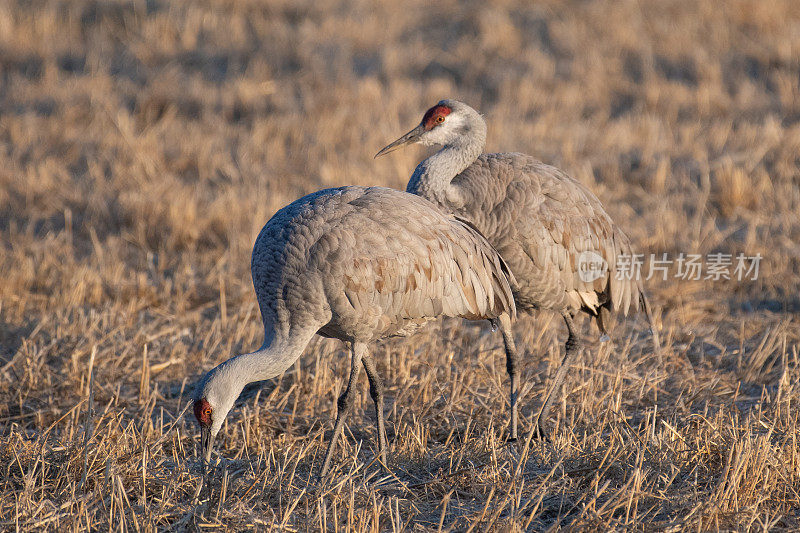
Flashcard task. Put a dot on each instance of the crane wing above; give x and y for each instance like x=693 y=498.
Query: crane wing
x=388 y=261
x=548 y=226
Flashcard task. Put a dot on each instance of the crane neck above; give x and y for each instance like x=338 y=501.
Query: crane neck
x=432 y=179
x=225 y=382
x=267 y=362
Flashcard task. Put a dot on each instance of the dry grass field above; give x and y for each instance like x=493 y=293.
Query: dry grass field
x=144 y=143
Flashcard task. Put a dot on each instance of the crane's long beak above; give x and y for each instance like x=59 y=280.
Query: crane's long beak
x=410 y=137
x=206 y=444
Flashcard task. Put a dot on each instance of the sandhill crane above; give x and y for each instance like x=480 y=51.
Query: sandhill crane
x=355 y=264
x=545 y=224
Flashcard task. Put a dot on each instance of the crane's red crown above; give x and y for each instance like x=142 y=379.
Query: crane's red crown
x=435 y=116
x=202 y=412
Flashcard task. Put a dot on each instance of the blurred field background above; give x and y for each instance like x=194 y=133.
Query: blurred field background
x=143 y=145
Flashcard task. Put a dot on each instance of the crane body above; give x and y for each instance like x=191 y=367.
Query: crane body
x=355 y=264
x=543 y=223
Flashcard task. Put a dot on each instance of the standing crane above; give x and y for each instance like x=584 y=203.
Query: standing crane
x=545 y=224
x=356 y=264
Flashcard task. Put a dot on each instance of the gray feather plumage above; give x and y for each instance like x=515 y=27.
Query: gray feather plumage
x=365 y=263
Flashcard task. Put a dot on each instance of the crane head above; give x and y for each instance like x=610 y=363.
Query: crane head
x=213 y=398
x=441 y=124
x=203 y=412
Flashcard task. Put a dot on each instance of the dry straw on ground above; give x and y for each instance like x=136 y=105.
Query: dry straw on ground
x=144 y=143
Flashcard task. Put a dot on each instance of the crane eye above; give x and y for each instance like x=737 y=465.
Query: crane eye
x=207 y=412
x=440 y=119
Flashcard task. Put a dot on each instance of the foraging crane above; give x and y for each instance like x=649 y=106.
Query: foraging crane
x=550 y=229
x=355 y=264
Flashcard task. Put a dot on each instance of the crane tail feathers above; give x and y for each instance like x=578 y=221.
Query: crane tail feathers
x=498 y=293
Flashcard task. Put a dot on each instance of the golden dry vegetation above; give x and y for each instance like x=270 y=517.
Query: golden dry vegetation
x=144 y=143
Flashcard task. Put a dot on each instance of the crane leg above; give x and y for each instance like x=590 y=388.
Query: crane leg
x=511 y=366
x=345 y=402
x=573 y=348
x=376 y=391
